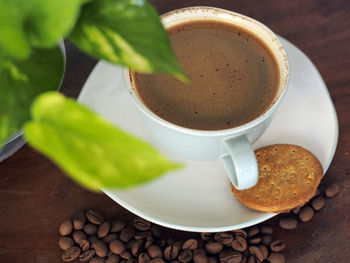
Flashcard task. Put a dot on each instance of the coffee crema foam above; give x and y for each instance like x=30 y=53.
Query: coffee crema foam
x=234 y=78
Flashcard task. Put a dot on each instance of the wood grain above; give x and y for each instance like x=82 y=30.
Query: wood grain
x=36 y=196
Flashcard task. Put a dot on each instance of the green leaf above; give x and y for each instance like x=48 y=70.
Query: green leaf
x=37 y=23
x=93 y=151
x=21 y=81
x=126 y=32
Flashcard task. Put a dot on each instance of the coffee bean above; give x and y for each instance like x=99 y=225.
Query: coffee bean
x=206 y=236
x=87 y=255
x=306 y=214
x=240 y=232
x=65 y=242
x=253 y=231
x=224 y=238
x=332 y=190
x=174 y=261
x=257 y=253
x=66 y=228
x=266 y=230
x=296 y=210
x=123 y=261
x=103 y=229
x=185 y=256
x=100 y=249
x=230 y=256
x=277 y=245
x=113 y=259
x=156 y=230
x=318 y=202
x=171 y=252
x=264 y=251
x=288 y=223
x=126 y=255
x=144 y=258
x=254 y=240
x=117 y=247
x=276 y=258
x=266 y=239
x=79 y=236
x=94 y=217
x=92 y=240
x=199 y=256
x=157 y=260
x=154 y=251
x=141 y=224
x=90 y=229
x=213 y=247
x=190 y=244
x=78 y=220
x=142 y=235
x=239 y=243
x=149 y=241
x=212 y=260
x=127 y=233
x=137 y=247
x=71 y=254
x=110 y=237
x=132 y=260
x=97 y=260
x=117 y=226
x=84 y=244
x=251 y=259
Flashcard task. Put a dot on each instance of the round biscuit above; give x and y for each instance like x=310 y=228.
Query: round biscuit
x=288 y=177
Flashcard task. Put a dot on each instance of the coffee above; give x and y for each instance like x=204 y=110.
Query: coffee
x=234 y=78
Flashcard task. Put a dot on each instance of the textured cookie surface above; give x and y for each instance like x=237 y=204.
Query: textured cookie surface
x=288 y=177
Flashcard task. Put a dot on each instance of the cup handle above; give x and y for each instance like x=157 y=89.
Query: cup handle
x=240 y=163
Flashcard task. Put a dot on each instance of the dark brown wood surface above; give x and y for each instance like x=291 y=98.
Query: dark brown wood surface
x=35 y=195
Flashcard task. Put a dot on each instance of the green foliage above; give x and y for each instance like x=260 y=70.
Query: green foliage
x=126 y=32
x=94 y=152
x=21 y=81
x=35 y=23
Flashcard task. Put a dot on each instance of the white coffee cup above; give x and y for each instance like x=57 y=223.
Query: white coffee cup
x=232 y=146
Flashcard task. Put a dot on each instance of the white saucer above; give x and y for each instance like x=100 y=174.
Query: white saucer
x=198 y=197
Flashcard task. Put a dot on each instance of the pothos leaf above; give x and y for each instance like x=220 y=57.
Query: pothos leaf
x=21 y=81
x=37 y=23
x=126 y=32
x=90 y=149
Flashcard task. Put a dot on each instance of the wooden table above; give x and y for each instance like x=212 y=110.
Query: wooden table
x=35 y=195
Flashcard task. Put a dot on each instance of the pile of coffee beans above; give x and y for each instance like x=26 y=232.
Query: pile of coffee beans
x=306 y=212
x=87 y=237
